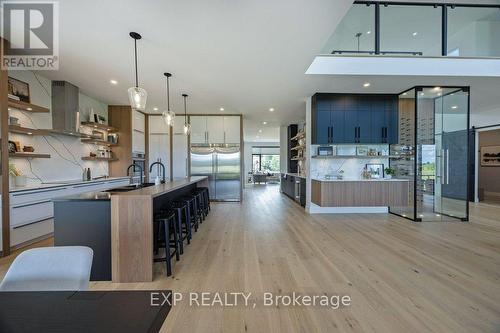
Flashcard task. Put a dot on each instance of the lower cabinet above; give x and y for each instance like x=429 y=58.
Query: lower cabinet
x=32 y=211
x=294 y=188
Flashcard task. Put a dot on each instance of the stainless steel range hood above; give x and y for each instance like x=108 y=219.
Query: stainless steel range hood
x=65 y=107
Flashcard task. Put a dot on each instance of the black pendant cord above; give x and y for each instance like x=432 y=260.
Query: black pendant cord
x=168 y=75
x=185 y=108
x=136 y=71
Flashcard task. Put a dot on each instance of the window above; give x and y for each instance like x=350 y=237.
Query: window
x=266 y=162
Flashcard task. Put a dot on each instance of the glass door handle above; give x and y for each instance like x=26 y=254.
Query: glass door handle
x=447 y=166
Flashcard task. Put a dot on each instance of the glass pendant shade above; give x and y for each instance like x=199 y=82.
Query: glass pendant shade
x=137 y=98
x=187 y=129
x=169 y=117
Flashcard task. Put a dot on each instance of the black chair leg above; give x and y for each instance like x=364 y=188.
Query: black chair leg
x=167 y=248
x=179 y=227
x=176 y=241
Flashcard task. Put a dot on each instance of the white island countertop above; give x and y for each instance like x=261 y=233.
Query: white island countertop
x=53 y=184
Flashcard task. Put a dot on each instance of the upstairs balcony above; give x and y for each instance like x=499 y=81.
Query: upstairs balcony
x=414 y=38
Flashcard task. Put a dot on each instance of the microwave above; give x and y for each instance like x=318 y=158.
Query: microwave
x=325 y=151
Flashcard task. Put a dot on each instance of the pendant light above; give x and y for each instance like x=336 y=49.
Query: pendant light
x=168 y=115
x=187 y=126
x=137 y=96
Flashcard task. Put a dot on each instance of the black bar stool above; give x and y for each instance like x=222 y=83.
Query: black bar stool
x=206 y=198
x=200 y=204
x=165 y=221
x=184 y=225
x=190 y=201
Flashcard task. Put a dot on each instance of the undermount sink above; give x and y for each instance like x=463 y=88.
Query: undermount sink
x=130 y=187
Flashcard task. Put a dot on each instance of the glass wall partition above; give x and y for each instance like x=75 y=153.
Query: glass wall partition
x=433 y=153
x=410 y=29
x=473 y=32
x=418 y=28
x=356 y=32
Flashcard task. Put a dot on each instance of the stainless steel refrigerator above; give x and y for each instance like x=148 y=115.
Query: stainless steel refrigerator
x=222 y=166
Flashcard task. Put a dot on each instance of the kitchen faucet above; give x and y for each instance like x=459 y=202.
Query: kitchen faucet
x=162 y=167
x=134 y=166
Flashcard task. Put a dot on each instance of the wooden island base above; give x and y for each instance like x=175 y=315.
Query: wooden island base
x=132 y=227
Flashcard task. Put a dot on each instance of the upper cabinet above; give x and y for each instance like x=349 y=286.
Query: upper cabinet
x=354 y=118
x=215 y=129
x=157 y=125
x=138 y=132
x=232 y=129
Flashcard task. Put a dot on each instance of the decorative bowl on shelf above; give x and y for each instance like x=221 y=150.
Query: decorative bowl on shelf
x=28 y=149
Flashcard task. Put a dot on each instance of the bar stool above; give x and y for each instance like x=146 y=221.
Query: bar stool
x=190 y=201
x=200 y=204
x=184 y=225
x=206 y=198
x=165 y=221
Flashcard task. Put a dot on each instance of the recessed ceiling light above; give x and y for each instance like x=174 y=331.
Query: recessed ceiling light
x=366 y=84
x=260 y=131
x=415 y=33
x=404 y=94
x=264 y=123
x=155 y=109
x=368 y=32
x=437 y=88
x=271 y=109
x=113 y=81
x=221 y=109
x=454 y=107
x=29 y=109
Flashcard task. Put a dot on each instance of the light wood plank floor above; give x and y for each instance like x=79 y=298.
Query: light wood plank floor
x=401 y=276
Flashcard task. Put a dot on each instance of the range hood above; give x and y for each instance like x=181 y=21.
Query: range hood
x=65 y=107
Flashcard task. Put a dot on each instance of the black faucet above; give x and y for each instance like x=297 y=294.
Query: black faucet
x=140 y=169
x=162 y=167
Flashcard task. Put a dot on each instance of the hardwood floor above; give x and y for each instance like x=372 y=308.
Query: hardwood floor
x=401 y=276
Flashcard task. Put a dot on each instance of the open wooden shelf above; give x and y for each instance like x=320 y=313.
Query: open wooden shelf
x=32 y=131
x=103 y=127
x=19 y=105
x=28 y=155
x=299 y=135
x=98 y=142
x=298 y=148
x=24 y=130
x=109 y=159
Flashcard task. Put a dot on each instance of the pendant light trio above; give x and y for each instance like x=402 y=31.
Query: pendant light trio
x=137 y=96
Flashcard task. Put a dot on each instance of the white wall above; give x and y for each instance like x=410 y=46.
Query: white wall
x=66 y=152
x=283 y=149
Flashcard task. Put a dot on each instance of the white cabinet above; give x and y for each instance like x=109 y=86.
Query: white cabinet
x=31 y=211
x=157 y=125
x=159 y=145
x=138 y=132
x=198 y=129
x=138 y=142
x=215 y=129
x=180 y=151
x=138 y=121
x=232 y=130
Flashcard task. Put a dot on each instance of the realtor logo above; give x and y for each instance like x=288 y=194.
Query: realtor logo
x=31 y=31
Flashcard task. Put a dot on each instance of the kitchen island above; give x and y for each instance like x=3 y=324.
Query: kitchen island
x=118 y=225
x=358 y=195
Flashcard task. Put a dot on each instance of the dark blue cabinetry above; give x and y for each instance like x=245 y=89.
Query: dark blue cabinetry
x=354 y=118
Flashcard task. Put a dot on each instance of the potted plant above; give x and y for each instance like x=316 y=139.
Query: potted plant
x=19 y=179
x=389 y=172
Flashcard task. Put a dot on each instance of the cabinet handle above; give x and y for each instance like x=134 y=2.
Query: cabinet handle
x=331 y=135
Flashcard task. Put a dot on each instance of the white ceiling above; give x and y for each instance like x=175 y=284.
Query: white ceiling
x=243 y=55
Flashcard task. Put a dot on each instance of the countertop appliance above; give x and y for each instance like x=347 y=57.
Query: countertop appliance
x=325 y=151
x=222 y=165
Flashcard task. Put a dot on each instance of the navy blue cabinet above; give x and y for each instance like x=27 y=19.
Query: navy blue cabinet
x=354 y=118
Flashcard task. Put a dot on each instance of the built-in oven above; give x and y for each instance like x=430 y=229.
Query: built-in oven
x=139 y=161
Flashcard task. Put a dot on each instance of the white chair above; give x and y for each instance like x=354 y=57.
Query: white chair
x=50 y=268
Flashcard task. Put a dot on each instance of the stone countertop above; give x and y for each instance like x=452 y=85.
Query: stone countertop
x=170 y=186
x=360 y=180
